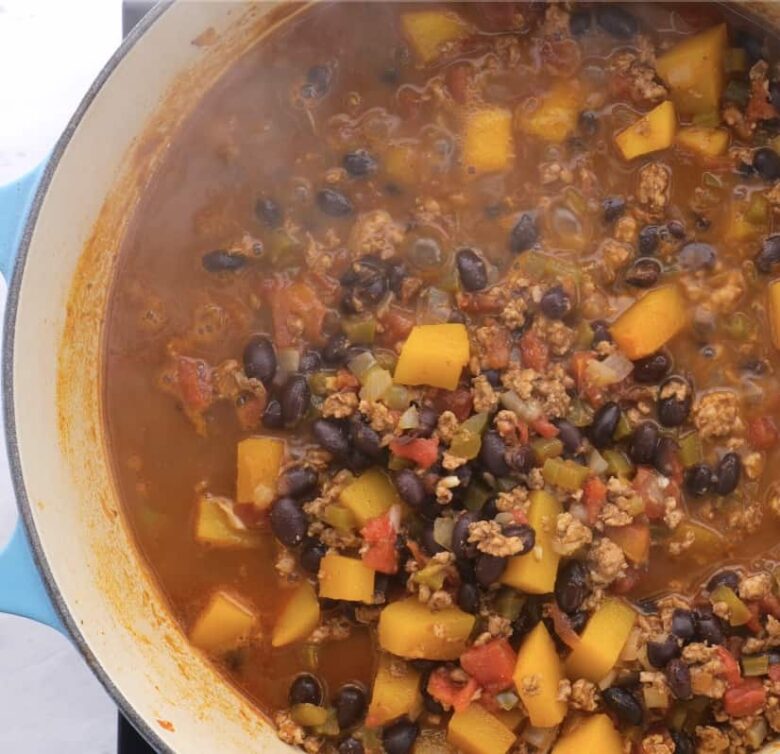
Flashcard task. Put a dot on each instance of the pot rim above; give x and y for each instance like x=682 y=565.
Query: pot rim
x=9 y=414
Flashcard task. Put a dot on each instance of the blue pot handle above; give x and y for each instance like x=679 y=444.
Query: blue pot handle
x=21 y=588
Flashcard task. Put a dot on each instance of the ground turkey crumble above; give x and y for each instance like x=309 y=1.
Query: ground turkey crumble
x=654 y=184
x=488 y=537
x=570 y=535
x=607 y=562
x=717 y=414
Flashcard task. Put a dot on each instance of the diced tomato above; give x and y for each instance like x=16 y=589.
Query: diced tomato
x=195 y=383
x=381 y=554
x=457 y=80
x=345 y=379
x=746 y=698
x=534 y=352
x=397 y=323
x=594 y=495
x=490 y=664
x=762 y=433
x=442 y=688
x=458 y=401
x=498 y=350
x=731 y=671
x=481 y=303
x=774 y=672
x=290 y=301
x=563 y=627
x=422 y=450
x=579 y=370
x=544 y=428
x=633 y=539
x=628 y=582
x=519 y=516
x=754 y=624
x=771 y=605
x=648 y=486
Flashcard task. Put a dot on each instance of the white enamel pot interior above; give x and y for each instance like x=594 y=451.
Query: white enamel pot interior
x=95 y=575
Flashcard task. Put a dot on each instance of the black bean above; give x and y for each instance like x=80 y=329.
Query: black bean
x=297 y=481
x=331 y=436
x=489 y=568
x=529 y=617
x=683 y=742
x=624 y=704
x=605 y=422
x=766 y=162
x=674 y=402
x=578 y=620
x=678 y=675
x=613 y=207
x=460 y=535
x=334 y=203
x=223 y=261
x=357 y=462
x=724 y=578
x=588 y=123
x=399 y=737
x=520 y=458
x=649 y=238
x=601 y=333
x=697 y=255
x=310 y=361
x=661 y=652
x=750 y=43
x=334 y=352
x=350 y=704
x=555 y=303
x=491 y=454
x=359 y=163
x=364 y=284
x=468 y=597
x=428 y=541
x=351 y=746
x=579 y=22
x=774 y=93
x=699 y=479
x=410 y=488
x=471 y=269
x=288 y=522
x=683 y=625
x=569 y=435
x=295 y=400
x=524 y=533
x=571 y=586
x=269 y=212
x=644 y=272
x=665 y=457
x=651 y=369
x=365 y=439
x=457 y=317
x=524 y=234
x=260 y=359
x=616 y=20
x=317 y=82
x=643 y=443
x=305 y=689
x=769 y=255
x=396 y=274
x=727 y=473
x=272 y=416
x=709 y=628
x=432 y=706
x=311 y=555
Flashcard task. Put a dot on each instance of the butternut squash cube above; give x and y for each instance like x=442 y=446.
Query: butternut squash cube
x=633 y=539
x=433 y=355
x=299 y=616
x=535 y=572
x=407 y=628
x=429 y=30
x=693 y=70
x=651 y=322
x=702 y=141
x=259 y=460
x=476 y=731
x=594 y=733
x=370 y=495
x=537 y=674
x=343 y=578
x=602 y=641
x=224 y=624
x=395 y=693
x=551 y=116
x=738 y=227
x=774 y=312
x=218 y=526
x=511 y=718
x=708 y=544
x=487 y=142
x=652 y=132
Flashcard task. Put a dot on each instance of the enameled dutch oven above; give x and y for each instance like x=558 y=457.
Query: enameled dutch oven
x=72 y=562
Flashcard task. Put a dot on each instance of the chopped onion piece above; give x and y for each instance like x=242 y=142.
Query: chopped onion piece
x=375 y=384
x=442 y=531
x=528 y=411
x=289 y=359
x=397 y=398
x=541 y=738
x=410 y=419
x=580 y=512
x=434 y=307
x=362 y=364
x=655 y=698
x=615 y=368
x=504 y=518
x=507 y=700
x=597 y=463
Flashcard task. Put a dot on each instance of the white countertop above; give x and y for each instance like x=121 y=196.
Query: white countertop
x=50 y=50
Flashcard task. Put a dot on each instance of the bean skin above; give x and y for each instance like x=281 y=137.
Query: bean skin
x=653 y=368
x=288 y=522
x=699 y=479
x=644 y=273
x=260 y=359
x=295 y=400
x=365 y=439
x=678 y=675
x=351 y=704
x=672 y=409
x=643 y=443
x=613 y=207
x=305 y=689
x=410 y=488
x=766 y=162
x=334 y=203
x=351 y=746
x=683 y=743
x=616 y=21
x=297 y=481
x=683 y=624
x=490 y=568
x=359 y=163
x=471 y=270
x=769 y=256
x=579 y=22
x=311 y=555
x=491 y=454
x=272 y=416
x=269 y=212
x=728 y=473
x=665 y=456
x=223 y=261
x=460 y=535
x=468 y=597
x=571 y=586
x=555 y=304
x=661 y=652
x=605 y=422
x=524 y=533
x=524 y=235
x=724 y=578
x=624 y=704
x=399 y=737
x=331 y=436
x=335 y=350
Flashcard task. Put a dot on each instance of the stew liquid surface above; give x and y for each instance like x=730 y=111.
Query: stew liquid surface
x=442 y=378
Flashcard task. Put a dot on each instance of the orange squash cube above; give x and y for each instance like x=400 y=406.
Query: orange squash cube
x=224 y=624
x=650 y=133
x=298 y=618
x=474 y=730
x=433 y=355
x=259 y=460
x=343 y=578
